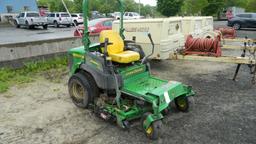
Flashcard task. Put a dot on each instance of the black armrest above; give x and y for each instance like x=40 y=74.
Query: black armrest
x=128 y=41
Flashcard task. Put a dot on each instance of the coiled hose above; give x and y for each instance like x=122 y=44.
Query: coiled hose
x=203 y=46
x=228 y=32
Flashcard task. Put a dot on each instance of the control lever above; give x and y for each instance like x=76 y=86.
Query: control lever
x=153 y=49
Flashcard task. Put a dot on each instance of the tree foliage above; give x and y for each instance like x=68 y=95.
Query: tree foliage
x=214 y=7
x=169 y=7
x=201 y=7
x=192 y=7
x=55 y=5
x=238 y=3
x=165 y=7
x=42 y=2
x=103 y=6
x=77 y=6
x=251 y=6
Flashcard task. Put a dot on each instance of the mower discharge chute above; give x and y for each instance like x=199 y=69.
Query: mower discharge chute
x=113 y=79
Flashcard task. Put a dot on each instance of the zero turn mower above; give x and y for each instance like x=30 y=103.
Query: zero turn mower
x=113 y=79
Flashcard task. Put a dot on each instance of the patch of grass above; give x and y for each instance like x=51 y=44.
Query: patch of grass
x=10 y=76
x=3 y=87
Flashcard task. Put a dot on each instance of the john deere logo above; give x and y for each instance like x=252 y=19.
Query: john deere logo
x=134 y=72
x=78 y=56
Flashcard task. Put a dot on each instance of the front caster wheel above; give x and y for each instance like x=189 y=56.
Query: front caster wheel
x=182 y=103
x=153 y=132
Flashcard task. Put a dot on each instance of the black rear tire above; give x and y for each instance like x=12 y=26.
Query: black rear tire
x=95 y=90
x=82 y=89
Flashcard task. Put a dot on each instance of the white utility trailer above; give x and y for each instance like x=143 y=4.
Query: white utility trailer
x=166 y=34
x=207 y=24
x=192 y=26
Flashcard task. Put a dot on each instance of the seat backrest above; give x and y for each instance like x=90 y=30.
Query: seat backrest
x=115 y=38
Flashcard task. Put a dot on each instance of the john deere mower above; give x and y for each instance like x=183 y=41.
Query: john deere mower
x=113 y=79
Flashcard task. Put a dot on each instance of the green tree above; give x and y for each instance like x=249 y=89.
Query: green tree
x=238 y=3
x=169 y=7
x=191 y=7
x=56 y=5
x=42 y=2
x=251 y=6
x=214 y=7
x=146 y=10
x=94 y=5
x=77 y=6
x=107 y=6
x=131 y=6
x=103 y=6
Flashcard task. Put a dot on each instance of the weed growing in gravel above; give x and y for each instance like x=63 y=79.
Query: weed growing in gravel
x=10 y=76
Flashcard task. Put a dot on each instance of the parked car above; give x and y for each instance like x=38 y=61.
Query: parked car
x=117 y=15
x=30 y=20
x=59 y=18
x=96 y=26
x=132 y=15
x=77 y=18
x=243 y=20
x=96 y=15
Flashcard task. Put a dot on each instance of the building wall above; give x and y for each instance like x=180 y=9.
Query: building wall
x=17 y=6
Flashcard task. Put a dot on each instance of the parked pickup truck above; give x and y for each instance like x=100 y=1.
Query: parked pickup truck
x=30 y=20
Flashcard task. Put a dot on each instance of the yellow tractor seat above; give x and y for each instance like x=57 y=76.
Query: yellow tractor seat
x=116 y=50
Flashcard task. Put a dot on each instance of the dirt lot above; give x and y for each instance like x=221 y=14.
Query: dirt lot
x=223 y=111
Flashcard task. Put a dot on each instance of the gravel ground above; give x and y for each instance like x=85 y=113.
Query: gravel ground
x=223 y=111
